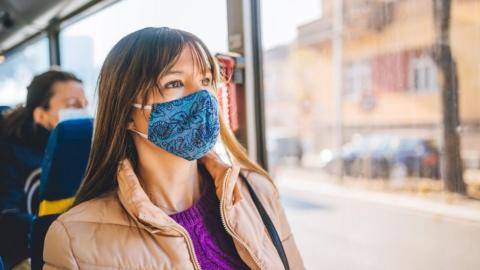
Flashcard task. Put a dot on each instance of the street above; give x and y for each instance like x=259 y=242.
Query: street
x=336 y=232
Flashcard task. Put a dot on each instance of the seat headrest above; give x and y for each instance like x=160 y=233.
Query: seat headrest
x=3 y=108
x=65 y=160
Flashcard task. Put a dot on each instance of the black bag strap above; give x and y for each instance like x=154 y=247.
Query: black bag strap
x=277 y=242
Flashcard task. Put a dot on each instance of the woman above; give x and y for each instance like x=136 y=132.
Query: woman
x=155 y=196
x=24 y=132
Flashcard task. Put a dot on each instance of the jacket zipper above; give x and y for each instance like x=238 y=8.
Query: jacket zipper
x=190 y=248
x=227 y=228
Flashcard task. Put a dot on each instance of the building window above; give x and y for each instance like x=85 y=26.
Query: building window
x=423 y=75
x=358 y=79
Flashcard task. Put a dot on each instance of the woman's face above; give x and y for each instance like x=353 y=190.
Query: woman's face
x=67 y=94
x=184 y=78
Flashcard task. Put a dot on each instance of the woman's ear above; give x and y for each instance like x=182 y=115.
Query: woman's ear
x=131 y=124
x=41 y=117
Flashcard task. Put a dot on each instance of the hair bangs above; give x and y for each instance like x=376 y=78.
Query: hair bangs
x=203 y=60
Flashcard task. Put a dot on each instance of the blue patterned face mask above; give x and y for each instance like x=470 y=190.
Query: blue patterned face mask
x=187 y=127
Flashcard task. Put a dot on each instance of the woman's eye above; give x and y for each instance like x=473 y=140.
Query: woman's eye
x=206 y=81
x=174 y=84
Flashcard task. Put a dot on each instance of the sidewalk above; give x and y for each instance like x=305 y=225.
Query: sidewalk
x=440 y=204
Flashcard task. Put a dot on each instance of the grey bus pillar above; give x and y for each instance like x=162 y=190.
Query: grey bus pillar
x=244 y=38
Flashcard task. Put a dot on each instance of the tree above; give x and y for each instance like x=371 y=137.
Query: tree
x=452 y=169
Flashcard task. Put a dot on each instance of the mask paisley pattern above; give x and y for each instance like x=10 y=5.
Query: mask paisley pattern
x=187 y=127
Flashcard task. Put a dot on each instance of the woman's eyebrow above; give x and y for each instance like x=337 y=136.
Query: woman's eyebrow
x=174 y=72
x=70 y=99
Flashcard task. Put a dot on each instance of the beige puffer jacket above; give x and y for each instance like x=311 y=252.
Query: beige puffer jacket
x=125 y=230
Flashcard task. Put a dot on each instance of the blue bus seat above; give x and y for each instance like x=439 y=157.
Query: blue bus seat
x=4 y=108
x=64 y=165
x=63 y=169
x=1 y=264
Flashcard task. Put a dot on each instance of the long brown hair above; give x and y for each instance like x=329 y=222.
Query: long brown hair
x=131 y=68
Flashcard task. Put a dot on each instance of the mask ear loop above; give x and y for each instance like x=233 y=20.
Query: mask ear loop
x=143 y=135
x=139 y=106
x=130 y=126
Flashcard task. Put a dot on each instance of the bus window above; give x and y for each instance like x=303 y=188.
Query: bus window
x=374 y=95
x=18 y=68
x=85 y=44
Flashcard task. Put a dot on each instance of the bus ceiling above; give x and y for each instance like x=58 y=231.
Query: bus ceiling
x=24 y=20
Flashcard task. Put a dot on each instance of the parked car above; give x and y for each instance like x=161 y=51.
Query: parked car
x=390 y=156
x=284 y=149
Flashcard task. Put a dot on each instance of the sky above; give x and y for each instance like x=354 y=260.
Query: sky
x=280 y=19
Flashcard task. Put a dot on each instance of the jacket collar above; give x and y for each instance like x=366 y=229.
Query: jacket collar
x=140 y=207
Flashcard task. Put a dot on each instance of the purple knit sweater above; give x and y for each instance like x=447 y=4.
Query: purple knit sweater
x=213 y=245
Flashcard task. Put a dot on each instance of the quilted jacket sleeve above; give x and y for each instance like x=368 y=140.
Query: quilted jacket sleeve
x=270 y=197
x=57 y=253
